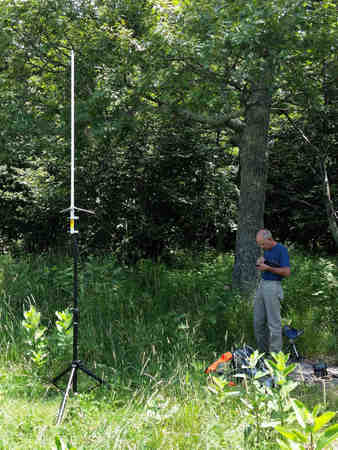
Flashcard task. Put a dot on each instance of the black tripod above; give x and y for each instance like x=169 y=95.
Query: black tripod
x=76 y=364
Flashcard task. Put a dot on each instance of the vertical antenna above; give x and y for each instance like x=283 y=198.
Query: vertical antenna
x=76 y=363
x=72 y=169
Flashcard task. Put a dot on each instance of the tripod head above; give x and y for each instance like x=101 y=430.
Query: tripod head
x=292 y=333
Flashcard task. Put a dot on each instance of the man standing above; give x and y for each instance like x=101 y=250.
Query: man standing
x=274 y=265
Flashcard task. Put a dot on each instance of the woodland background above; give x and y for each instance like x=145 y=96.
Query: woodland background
x=196 y=123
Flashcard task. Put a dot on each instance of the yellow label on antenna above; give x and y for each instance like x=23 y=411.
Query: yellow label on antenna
x=72 y=223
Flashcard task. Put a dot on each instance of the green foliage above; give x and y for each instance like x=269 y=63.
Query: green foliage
x=44 y=348
x=64 y=331
x=160 y=86
x=60 y=445
x=310 y=303
x=268 y=400
x=296 y=198
x=35 y=337
x=150 y=330
x=152 y=309
x=269 y=406
x=309 y=433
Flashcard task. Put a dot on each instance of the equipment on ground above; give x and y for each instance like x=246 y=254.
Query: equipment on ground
x=320 y=369
x=292 y=334
x=234 y=366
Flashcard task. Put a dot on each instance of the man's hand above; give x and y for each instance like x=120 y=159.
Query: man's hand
x=282 y=271
x=261 y=266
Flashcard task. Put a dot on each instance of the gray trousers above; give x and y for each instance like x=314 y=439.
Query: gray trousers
x=267 y=318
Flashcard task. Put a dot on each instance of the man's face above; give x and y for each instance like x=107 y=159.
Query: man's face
x=265 y=244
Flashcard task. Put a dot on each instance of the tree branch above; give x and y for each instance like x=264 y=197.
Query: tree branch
x=301 y=132
x=216 y=121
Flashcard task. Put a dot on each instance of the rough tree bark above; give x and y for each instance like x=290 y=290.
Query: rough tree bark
x=253 y=165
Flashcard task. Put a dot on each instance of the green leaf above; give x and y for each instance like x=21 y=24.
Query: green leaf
x=259 y=374
x=289 y=369
x=329 y=435
x=287 y=445
x=323 y=420
x=58 y=443
x=302 y=413
x=287 y=388
x=39 y=333
x=316 y=410
x=293 y=435
x=272 y=364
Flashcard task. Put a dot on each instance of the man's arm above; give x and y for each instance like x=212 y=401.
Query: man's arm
x=282 y=271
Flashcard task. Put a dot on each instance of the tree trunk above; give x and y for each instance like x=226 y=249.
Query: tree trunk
x=253 y=164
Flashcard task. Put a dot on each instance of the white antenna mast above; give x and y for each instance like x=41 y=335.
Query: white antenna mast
x=72 y=207
x=72 y=169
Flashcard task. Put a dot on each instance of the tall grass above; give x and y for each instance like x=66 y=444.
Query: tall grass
x=151 y=316
x=150 y=330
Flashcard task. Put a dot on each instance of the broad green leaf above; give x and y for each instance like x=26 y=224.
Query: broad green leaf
x=302 y=413
x=323 y=420
x=293 y=435
x=316 y=410
x=288 y=387
x=289 y=369
x=272 y=364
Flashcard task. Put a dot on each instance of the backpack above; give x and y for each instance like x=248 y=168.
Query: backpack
x=234 y=364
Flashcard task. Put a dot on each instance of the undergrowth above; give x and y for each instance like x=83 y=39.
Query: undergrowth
x=150 y=330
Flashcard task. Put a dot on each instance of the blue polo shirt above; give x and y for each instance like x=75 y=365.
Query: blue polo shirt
x=279 y=255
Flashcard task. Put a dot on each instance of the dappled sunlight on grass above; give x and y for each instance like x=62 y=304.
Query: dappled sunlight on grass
x=150 y=330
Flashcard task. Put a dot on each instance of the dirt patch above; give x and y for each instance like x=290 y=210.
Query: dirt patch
x=305 y=373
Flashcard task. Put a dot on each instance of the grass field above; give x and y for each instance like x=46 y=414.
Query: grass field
x=150 y=331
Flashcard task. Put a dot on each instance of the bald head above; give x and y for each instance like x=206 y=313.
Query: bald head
x=264 y=234
x=264 y=239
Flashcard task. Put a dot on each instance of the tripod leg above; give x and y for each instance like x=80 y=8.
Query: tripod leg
x=56 y=379
x=63 y=404
x=88 y=372
x=75 y=382
x=296 y=353
x=291 y=352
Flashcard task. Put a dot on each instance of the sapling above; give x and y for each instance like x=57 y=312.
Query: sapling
x=35 y=337
x=64 y=329
x=39 y=341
